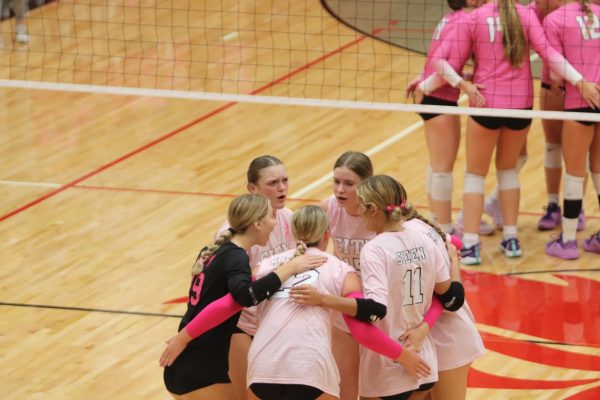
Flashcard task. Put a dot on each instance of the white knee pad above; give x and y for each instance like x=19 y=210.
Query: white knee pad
x=474 y=183
x=573 y=187
x=428 y=180
x=553 y=156
x=521 y=162
x=508 y=179
x=441 y=186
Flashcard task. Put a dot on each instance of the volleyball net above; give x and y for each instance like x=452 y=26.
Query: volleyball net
x=332 y=53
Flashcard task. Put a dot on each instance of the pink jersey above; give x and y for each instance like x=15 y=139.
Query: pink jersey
x=280 y=240
x=505 y=86
x=348 y=233
x=445 y=25
x=456 y=339
x=293 y=342
x=399 y=270
x=578 y=39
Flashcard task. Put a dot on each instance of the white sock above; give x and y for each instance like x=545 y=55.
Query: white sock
x=470 y=239
x=553 y=198
x=432 y=217
x=446 y=228
x=509 y=231
x=569 y=228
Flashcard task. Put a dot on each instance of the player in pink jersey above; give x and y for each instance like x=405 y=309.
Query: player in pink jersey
x=442 y=131
x=266 y=176
x=503 y=74
x=349 y=235
x=409 y=262
x=196 y=366
x=574 y=29
x=551 y=99
x=457 y=341
x=291 y=357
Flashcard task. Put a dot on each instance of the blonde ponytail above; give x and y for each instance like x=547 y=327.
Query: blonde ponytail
x=243 y=211
x=513 y=37
x=585 y=6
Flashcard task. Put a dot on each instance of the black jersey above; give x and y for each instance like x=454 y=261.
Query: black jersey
x=228 y=272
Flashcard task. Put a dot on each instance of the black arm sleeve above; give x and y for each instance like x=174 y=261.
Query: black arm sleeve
x=246 y=292
x=369 y=310
x=454 y=298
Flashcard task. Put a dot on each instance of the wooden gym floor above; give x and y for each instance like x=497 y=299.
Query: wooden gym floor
x=105 y=199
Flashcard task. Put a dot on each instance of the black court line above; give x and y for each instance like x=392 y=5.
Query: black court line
x=372 y=35
x=101 y=310
x=163 y=315
x=553 y=271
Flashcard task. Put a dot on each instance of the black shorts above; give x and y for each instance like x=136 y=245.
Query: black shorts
x=516 y=124
x=585 y=110
x=404 y=396
x=238 y=330
x=548 y=86
x=195 y=369
x=182 y=382
x=434 y=101
x=278 y=391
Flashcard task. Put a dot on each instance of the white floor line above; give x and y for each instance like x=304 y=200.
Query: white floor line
x=30 y=184
x=371 y=152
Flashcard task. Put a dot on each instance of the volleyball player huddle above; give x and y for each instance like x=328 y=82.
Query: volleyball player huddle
x=497 y=35
x=392 y=286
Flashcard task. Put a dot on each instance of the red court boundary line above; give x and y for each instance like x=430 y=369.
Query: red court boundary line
x=231 y=195
x=160 y=139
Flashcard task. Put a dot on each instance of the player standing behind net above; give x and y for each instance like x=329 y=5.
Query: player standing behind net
x=498 y=34
x=349 y=234
x=574 y=29
x=266 y=176
x=442 y=131
x=551 y=99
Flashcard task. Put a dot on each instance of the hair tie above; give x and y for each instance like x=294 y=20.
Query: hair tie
x=391 y=208
x=403 y=204
x=233 y=231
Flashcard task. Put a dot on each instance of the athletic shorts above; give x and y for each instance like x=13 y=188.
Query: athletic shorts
x=278 y=391
x=434 y=101
x=404 y=396
x=585 y=110
x=238 y=330
x=548 y=86
x=516 y=124
x=194 y=370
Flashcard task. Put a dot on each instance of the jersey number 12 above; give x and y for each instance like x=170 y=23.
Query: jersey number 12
x=589 y=31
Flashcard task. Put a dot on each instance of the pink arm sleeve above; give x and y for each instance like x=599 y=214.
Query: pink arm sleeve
x=370 y=336
x=557 y=63
x=212 y=315
x=434 y=312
